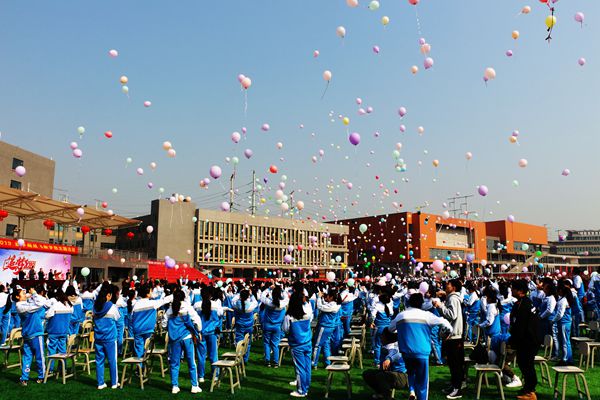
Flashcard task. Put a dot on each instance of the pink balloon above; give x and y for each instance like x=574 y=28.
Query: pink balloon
x=509 y=53
x=354 y=138
x=73 y=145
x=246 y=83
x=437 y=266
x=113 y=53
x=581 y=61
x=235 y=137
x=402 y=111
x=147 y=103
x=511 y=218
x=376 y=49
x=428 y=63
x=215 y=171
x=241 y=77
x=579 y=17
x=225 y=206
x=566 y=172
x=402 y=128
x=77 y=153
x=20 y=170
x=248 y=153
x=369 y=110
x=316 y=53
x=483 y=190
x=265 y=127
x=358 y=101
x=422 y=41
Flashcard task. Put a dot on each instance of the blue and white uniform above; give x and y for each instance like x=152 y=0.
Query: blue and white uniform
x=32 y=313
x=87 y=300
x=143 y=321
x=207 y=346
x=347 y=310
x=244 y=320
x=105 y=342
x=123 y=313
x=271 y=322
x=181 y=327
x=473 y=305
x=563 y=321
x=414 y=327
x=547 y=314
x=58 y=318
x=491 y=322
x=328 y=320
x=4 y=317
x=381 y=320
x=507 y=305
x=300 y=341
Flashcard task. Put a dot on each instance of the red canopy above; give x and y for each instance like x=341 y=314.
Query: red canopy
x=158 y=270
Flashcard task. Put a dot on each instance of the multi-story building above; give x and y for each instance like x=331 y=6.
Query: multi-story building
x=584 y=244
x=252 y=246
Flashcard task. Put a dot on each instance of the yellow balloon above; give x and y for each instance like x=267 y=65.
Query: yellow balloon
x=346 y=121
x=124 y=80
x=385 y=20
x=513 y=139
x=263 y=200
x=515 y=35
x=550 y=21
x=436 y=163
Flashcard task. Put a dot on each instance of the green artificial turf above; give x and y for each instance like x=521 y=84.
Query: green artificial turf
x=261 y=382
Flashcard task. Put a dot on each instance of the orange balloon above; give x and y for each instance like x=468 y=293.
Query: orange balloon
x=273 y=169
x=515 y=35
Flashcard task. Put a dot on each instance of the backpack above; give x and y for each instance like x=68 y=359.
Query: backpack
x=479 y=354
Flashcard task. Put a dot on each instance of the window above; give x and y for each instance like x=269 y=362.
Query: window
x=16 y=163
x=15 y=185
x=10 y=229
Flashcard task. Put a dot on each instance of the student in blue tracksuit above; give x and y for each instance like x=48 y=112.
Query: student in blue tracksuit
x=547 y=313
x=507 y=301
x=243 y=307
x=328 y=306
x=211 y=313
x=5 y=307
x=491 y=320
x=195 y=294
x=58 y=318
x=105 y=316
x=436 y=341
x=183 y=325
x=382 y=316
x=347 y=309
x=296 y=325
x=143 y=318
x=15 y=320
x=413 y=327
x=576 y=308
x=87 y=300
x=31 y=311
x=121 y=304
x=563 y=320
x=472 y=306
x=275 y=303
x=78 y=315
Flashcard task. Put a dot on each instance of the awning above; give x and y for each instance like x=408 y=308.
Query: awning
x=32 y=206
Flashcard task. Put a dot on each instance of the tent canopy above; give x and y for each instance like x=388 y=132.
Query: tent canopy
x=32 y=206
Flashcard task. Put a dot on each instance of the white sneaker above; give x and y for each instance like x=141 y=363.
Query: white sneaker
x=196 y=389
x=175 y=390
x=293 y=383
x=412 y=396
x=200 y=380
x=103 y=386
x=516 y=382
x=115 y=386
x=297 y=394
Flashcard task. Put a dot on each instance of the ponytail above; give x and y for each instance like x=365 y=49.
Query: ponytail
x=101 y=299
x=244 y=295
x=206 y=305
x=276 y=294
x=178 y=297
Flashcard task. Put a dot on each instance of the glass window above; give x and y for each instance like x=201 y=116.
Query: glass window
x=16 y=163
x=15 y=185
x=10 y=229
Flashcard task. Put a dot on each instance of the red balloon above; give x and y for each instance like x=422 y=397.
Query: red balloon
x=85 y=229
x=104 y=204
x=3 y=214
x=108 y=134
x=130 y=235
x=273 y=169
x=415 y=2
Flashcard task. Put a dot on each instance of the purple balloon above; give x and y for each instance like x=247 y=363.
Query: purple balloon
x=483 y=190
x=470 y=257
x=509 y=53
x=248 y=153
x=402 y=111
x=511 y=218
x=354 y=138
x=170 y=263
x=428 y=63
x=215 y=171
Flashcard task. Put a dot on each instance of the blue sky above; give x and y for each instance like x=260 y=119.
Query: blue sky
x=185 y=56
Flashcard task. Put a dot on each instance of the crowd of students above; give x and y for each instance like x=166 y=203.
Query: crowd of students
x=412 y=320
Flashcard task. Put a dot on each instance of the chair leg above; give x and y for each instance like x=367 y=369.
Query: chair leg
x=213 y=380
x=231 y=380
x=123 y=376
x=237 y=377
x=479 y=382
x=47 y=371
x=141 y=372
x=564 y=388
x=487 y=382
x=63 y=367
x=548 y=375
x=500 y=385
x=555 y=386
x=587 y=389
x=349 y=384
x=328 y=384
x=162 y=365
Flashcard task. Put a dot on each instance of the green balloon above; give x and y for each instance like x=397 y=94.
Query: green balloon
x=538 y=253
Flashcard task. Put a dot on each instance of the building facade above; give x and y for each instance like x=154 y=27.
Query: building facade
x=583 y=244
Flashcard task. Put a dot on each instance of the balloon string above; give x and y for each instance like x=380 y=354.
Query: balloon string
x=245 y=103
x=549 y=37
x=325 y=91
x=171 y=220
x=418 y=21
x=181 y=214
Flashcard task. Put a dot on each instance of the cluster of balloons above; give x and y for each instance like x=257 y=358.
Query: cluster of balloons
x=244 y=81
x=168 y=147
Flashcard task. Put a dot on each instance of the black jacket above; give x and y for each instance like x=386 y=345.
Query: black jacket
x=524 y=323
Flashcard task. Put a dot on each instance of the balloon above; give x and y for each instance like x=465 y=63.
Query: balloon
x=225 y=206
x=376 y=49
x=550 y=21
x=436 y=163
x=300 y=205
x=340 y=31
x=170 y=263
x=362 y=228
x=85 y=271
x=265 y=127
x=149 y=229
x=402 y=111
x=510 y=218
x=414 y=69
x=125 y=89
x=108 y=134
x=354 y=138
x=20 y=170
x=482 y=190
x=287 y=259
x=316 y=53
x=525 y=270
x=20 y=242
x=338 y=259
x=73 y=145
x=428 y=63
x=524 y=247
x=423 y=287
x=171 y=153
x=236 y=137
x=468 y=155
x=522 y=163
x=490 y=73
x=110 y=252
x=346 y=121
x=147 y=103
x=385 y=20
x=509 y=53
x=327 y=75
x=113 y=53
x=420 y=130
x=579 y=17
x=581 y=61
x=374 y=5
x=350 y=282
x=507 y=319
x=470 y=257
x=515 y=35
x=123 y=80
x=279 y=145
x=513 y=139
x=526 y=10
x=352 y=3
x=413 y=2
x=215 y=172
x=246 y=83
x=80 y=211
x=538 y=253
x=437 y=266
x=330 y=276
x=273 y=169
x=167 y=146
x=81 y=130
x=140 y=171
x=425 y=48
x=566 y=172
x=446 y=214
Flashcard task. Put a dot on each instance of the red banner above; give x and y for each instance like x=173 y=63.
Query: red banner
x=158 y=270
x=37 y=246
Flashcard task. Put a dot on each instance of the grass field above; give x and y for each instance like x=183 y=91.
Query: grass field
x=261 y=382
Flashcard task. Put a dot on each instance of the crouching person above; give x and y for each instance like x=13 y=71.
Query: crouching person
x=392 y=372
